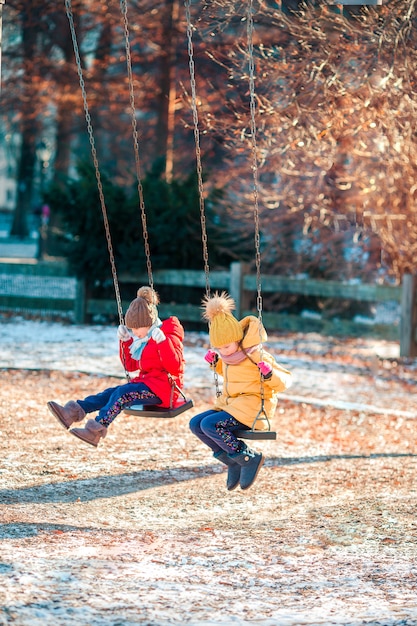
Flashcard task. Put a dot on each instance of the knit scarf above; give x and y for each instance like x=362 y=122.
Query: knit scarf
x=239 y=355
x=136 y=348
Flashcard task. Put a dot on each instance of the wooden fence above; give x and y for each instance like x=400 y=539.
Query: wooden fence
x=64 y=293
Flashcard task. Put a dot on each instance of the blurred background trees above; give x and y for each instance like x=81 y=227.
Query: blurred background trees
x=336 y=130
x=336 y=135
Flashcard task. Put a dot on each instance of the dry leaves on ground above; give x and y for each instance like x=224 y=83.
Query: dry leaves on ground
x=142 y=530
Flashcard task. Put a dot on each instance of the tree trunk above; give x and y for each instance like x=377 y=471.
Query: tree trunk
x=164 y=145
x=98 y=94
x=67 y=83
x=26 y=167
x=1 y=32
x=20 y=226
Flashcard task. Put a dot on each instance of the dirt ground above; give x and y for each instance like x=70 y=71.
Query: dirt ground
x=143 y=531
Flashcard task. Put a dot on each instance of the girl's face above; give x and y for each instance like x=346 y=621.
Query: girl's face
x=140 y=333
x=229 y=348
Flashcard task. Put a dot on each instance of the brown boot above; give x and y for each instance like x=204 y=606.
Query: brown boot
x=68 y=414
x=92 y=433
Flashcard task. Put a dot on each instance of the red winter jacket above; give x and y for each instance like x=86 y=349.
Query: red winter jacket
x=158 y=360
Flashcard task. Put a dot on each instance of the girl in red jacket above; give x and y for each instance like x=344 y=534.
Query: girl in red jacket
x=154 y=350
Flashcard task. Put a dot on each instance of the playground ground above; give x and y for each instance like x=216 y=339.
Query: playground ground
x=142 y=529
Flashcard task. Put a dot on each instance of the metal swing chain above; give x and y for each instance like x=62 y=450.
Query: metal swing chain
x=187 y=4
x=123 y=9
x=95 y=160
x=249 y=30
x=254 y=158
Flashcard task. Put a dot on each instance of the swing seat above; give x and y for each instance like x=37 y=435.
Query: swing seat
x=142 y=410
x=256 y=434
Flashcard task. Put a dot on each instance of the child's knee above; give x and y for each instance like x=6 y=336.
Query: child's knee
x=194 y=424
x=208 y=425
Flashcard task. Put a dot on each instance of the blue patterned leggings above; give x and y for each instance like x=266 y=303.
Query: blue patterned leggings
x=110 y=402
x=215 y=429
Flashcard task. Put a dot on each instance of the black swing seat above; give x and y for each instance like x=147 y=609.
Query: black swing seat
x=143 y=410
x=252 y=433
x=256 y=434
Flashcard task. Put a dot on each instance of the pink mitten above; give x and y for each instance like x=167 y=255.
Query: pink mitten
x=265 y=369
x=211 y=357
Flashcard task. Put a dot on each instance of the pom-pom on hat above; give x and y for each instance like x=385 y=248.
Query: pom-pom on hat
x=142 y=311
x=223 y=327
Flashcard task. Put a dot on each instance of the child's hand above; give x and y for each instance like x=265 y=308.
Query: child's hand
x=211 y=357
x=158 y=335
x=265 y=369
x=123 y=333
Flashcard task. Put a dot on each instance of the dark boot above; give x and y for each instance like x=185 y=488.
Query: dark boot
x=250 y=463
x=68 y=414
x=92 y=433
x=233 y=472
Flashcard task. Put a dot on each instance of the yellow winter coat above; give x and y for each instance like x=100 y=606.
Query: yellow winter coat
x=241 y=396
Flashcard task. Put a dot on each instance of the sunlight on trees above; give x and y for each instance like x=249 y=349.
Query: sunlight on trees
x=335 y=115
x=336 y=120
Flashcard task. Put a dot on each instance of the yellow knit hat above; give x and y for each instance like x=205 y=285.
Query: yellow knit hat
x=223 y=327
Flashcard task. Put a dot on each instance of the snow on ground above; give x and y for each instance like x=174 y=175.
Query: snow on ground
x=27 y=344
x=142 y=532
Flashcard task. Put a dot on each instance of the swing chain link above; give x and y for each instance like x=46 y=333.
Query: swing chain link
x=70 y=17
x=123 y=9
x=197 y=145
x=217 y=384
x=251 y=63
x=250 y=29
x=94 y=157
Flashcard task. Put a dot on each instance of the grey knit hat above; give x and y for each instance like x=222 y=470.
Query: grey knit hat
x=142 y=312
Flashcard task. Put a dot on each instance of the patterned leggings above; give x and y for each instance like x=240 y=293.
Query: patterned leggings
x=216 y=428
x=110 y=402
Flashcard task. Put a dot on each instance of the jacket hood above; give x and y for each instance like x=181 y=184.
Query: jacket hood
x=172 y=326
x=253 y=331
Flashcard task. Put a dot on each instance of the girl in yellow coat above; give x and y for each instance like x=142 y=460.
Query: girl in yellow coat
x=248 y=372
